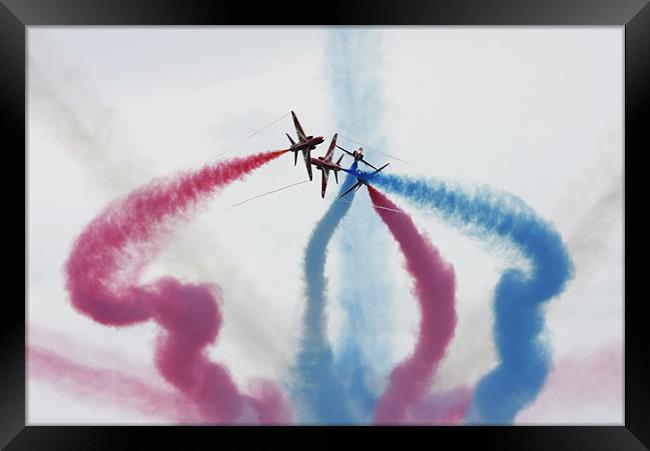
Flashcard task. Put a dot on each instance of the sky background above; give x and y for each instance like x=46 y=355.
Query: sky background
x=537 y=112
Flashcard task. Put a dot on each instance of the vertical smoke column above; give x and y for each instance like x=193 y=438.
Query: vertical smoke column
x=320 y=392
x=109 y=257
x=356 y=93
x=434 y=289
x=519 y=297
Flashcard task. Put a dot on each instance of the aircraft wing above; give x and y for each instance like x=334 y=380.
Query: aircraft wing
x=326 y=174
x=382 y=168
x=307 y=157
x=301 y=133
x=330 y=151
x=378 y=170
x=366 y=163
x=355 y=187
x=346 y=151
x=369 y=176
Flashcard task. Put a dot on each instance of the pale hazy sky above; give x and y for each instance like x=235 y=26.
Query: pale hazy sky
x=536 y=111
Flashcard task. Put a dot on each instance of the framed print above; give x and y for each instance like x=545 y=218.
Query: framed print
x=400 y=215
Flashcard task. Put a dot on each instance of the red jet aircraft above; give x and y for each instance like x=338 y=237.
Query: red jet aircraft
x=305 y=144
x=325 y=165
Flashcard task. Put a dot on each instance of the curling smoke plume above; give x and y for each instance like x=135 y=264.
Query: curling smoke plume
x=519 y=297
x=98 y=137
x=434 y=289
x=108 y=259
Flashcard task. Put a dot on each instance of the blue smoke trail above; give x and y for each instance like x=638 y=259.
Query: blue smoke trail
x=519 y=298
x=318 y=388
x=354 y=57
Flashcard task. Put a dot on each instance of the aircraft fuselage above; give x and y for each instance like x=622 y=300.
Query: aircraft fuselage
x=360 y=175
x=309 y=144
x=321 y=163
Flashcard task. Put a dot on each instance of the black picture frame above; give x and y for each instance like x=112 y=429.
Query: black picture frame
x=634 y=15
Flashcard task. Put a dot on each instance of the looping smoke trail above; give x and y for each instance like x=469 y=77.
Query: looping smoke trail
x=109 y=256
x=434 y=288
x=318 y=388
x=519 y=297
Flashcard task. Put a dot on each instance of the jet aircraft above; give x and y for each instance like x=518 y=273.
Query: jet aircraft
x=362 y=178
x=305 y=144
x=357 y=155
x=325 y=165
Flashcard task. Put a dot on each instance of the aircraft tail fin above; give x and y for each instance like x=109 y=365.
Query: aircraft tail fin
x=301 y=133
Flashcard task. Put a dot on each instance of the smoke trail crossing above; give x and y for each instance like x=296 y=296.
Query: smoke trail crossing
x=519 y=298
x=434 y=288
x=110 y=255
x=364 y=350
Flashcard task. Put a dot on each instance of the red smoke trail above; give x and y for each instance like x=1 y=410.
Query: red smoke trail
x=434 y=288
x=108 y=258
x=109 y=387
x=446 y=408
x=269 y=401
x=582 y=380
